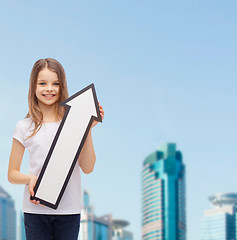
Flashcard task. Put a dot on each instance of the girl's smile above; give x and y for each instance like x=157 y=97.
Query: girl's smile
x=49 y=95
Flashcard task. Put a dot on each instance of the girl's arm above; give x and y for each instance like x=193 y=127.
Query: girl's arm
x=87 y=156
x=14 y=174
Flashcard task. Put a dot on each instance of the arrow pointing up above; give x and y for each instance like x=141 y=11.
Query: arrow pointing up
x=81 y=110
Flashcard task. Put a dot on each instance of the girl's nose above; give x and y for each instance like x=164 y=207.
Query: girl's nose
x=49 y=87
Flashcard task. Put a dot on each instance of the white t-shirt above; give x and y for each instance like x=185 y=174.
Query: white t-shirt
x=38 y=147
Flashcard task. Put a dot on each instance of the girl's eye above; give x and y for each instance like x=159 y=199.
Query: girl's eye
x=41 y=83
x=57 y=84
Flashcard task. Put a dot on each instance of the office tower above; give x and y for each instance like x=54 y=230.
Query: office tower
x=163 y=195
x=22 y=227
x=221 y=221
x=119 y=233
x=7 y=216
x=93 y=227
x=100 y=228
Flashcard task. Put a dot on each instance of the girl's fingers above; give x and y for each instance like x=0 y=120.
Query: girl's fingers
x=102 y=111
x=101 y=108
x=36 y=202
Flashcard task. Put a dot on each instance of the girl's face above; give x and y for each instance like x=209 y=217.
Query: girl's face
x=47 y=87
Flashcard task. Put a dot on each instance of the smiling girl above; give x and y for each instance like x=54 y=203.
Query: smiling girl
x=48 y=87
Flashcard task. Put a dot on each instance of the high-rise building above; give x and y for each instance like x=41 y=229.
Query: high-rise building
x=7 y=216
x=163 y=195
x=22 y=235
x=100 y=228
x=221 y=221
x=119 y=233
x=93 y=227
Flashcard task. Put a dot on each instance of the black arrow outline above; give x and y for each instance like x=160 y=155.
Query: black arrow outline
x=64 y=103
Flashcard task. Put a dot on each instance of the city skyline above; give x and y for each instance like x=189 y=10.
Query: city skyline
x=164 y=71
x=220 y=222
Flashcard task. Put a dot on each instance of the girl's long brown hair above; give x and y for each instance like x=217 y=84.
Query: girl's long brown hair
x=34 y=111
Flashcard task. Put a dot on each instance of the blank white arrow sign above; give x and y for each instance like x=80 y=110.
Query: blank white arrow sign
x=82 y=109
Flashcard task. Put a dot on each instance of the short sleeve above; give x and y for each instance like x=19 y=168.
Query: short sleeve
x=19 y=133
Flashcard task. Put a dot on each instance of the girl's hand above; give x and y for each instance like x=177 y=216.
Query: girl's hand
x=32 y=183
x=102 y=113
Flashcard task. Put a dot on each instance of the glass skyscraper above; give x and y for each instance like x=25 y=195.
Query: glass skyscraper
x=101 y=228
x=119 y=233
x=22 y=235
x=220 y=223
x=7 y=216
x=163 y=195
x=93 y=227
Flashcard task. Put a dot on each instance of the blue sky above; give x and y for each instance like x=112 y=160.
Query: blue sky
x=164 y=71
